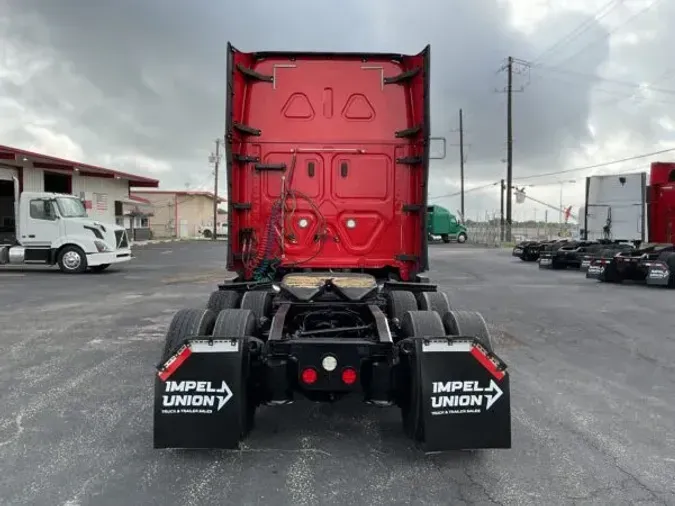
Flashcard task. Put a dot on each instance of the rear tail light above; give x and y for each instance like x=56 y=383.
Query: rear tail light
x=309 y=376
x=348 y=376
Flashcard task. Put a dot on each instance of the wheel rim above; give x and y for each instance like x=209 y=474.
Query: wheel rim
x=72 y=260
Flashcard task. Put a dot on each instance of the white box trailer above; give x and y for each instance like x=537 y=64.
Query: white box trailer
x=615 y=208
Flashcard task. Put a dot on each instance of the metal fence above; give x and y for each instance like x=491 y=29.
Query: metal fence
x=488 y=232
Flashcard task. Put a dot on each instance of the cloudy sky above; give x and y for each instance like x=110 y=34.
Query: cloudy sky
x=139 y=85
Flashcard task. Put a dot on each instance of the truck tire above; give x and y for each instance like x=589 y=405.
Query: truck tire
x=186 y=323
x=422 y=324
x=416 y=324
x=72 y=260
x=399 y=302
x=461 y=238
x=241 y=323
x=223 y=299
x=434 y=301
x=235 y=323
x=207 y=234
x=468 y=324
x=446 y=238
x=259 y=302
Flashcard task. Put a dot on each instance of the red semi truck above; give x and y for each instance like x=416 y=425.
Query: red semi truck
x=661 y=203
x=328 y=165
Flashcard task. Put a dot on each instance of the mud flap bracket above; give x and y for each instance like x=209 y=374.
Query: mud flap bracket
x=201 y=398
x=464 y=395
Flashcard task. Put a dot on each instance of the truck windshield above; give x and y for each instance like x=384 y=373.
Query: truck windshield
x=71 y=208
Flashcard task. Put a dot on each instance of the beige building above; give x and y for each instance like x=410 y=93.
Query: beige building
x=136 y=214
x=182 y=214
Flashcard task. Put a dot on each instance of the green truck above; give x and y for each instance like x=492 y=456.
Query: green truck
x=443 y=223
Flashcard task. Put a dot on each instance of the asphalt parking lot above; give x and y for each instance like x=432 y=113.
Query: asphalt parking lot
x=593 y=396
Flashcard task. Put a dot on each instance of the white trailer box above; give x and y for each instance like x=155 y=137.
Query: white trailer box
x=615 y=207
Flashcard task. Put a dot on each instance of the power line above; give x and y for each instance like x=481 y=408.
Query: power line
x=465 y=191
x=604 y=164
x=610 y=33
x=670 y=72
x=581 y=29
x=605 y=79
x=553 y=182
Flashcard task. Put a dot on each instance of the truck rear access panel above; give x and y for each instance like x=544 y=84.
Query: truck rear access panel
x=345 y=135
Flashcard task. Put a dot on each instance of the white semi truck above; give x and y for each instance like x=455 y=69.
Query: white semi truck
x=615 y=208
x=54 y=229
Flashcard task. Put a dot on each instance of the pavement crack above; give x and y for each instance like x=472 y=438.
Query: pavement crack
x=482 y=487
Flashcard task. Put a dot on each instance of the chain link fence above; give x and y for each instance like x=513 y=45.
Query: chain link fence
x=487 y=232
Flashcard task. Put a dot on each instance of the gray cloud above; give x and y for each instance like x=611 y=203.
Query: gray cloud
x=130 y=79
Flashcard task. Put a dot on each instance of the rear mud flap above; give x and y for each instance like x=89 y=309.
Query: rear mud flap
x=201 y=396
x=545 y=263
x=464 y=395
x=658 y=275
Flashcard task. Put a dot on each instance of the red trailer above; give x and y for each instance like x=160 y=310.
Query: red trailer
x=661 y=201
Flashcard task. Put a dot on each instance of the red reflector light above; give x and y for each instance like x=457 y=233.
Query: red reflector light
x=309 y=376
x=348 y=376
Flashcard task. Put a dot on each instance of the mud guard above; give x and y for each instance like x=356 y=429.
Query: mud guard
x=201 y=396
x=464 y=395
x=658 y=274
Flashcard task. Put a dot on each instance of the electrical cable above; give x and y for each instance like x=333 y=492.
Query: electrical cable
x=595 y=166
x=476 y=188
x=610 y=33
x=584 y=27
x=634 y=86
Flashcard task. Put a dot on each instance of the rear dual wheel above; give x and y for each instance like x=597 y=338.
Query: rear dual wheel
x=258 y=301
x=227 y=323
x=223 y=299
x=415 y=324
x=429 y=324
x=399 y=302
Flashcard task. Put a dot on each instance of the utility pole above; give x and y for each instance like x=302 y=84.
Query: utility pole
x=509 y=147
x=517 y=66
x=501 y=221
x=461 y=159
x=215 y=159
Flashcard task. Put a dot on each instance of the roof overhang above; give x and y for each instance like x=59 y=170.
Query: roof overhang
x=20 y=157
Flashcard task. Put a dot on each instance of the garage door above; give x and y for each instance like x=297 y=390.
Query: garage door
x=7 y=173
